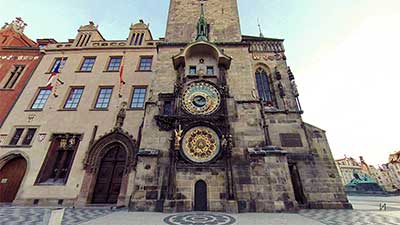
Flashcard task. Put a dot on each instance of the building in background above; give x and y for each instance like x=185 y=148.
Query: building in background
x=394 y=168
x=383 y=175
x=346 y=168
x=203 y=119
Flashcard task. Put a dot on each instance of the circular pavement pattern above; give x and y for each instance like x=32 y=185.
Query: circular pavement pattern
x=199 y=219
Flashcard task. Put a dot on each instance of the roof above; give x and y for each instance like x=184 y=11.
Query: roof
x=255 y=38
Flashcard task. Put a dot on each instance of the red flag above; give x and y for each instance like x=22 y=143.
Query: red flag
x=121 y=80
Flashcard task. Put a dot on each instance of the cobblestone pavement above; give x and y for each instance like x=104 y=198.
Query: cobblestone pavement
x=366 y=211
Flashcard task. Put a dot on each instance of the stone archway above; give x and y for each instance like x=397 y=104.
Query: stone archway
x=13 y=168
x=127 y=147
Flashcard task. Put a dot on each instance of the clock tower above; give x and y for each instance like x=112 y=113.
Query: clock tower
x=222 y=128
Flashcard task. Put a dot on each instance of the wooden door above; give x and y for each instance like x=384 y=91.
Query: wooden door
x=297 y=186
x=11 y=176
x=200 y=193
x=109 y=177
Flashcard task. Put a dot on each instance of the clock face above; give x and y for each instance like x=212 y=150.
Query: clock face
x=201 y=99
x=200 y=144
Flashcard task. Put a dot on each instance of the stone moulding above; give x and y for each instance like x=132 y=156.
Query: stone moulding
x=265 y=151
x=146 y=152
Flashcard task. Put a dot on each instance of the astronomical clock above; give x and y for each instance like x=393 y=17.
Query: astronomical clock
x=200 y=144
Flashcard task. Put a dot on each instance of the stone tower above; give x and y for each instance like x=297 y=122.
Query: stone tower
x=222 y=17
x=223 y=129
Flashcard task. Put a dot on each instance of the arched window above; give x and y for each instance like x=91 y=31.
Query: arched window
x=263 y=85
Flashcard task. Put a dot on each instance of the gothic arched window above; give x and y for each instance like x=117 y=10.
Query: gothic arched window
x=263 y=85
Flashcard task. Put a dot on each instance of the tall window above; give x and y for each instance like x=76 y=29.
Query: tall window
x=59 y=159
x=29 y=136
x=17 y=135
x=13 y=77
x=87 y=64
x=145 y=63
x=57 y=62
x=114 y=64
x=26 y=133
x=263 y=85
x=73 y=98
x=138 y=97
x=103 y=98
x=41 y=99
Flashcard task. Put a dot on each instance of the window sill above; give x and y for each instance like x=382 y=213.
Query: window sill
x=49 y=184
x=33 y=110
x=79 y=71
x=99 y=109
x=16 y=146
x=144 y=71
x=7 y=89
x=135 y=109
x=61 y=110
x=110 y=71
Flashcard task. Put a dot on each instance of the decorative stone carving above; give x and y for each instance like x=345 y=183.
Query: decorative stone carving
x=121 y=115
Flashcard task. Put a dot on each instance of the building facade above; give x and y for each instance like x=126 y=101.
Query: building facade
x=63 y=126
x=19 y=57
x=203 y=119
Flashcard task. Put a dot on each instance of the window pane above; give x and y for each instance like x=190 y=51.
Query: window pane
x=87 y=64
x=17 y=136
x=192 y=70
x=41 y=99
x=29 y=136
x=58 y=61
x=103 y=99
x=138 y=98
x=145 y=63
x=210 y=70
x=73 y=98
x=115 y=63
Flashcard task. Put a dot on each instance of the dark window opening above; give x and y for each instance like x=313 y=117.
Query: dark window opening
x=263 y=86
x=17 y=136
x=210 y=70
x=59 y=158
x=15 y=74
x=29 y=136
x=192 y=70
x=168 y=108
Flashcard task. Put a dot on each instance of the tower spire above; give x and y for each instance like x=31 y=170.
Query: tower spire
x=259 y=27
x=202 y=29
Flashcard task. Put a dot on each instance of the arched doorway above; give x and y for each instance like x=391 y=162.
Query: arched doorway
x=200 y=196
x=11 y=175
x=109 y=177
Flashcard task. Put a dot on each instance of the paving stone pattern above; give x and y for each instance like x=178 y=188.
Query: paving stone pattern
x=20 y=215
x=80 y=215
x=354 y=217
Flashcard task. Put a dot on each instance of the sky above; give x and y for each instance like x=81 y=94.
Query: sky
x=343 y=53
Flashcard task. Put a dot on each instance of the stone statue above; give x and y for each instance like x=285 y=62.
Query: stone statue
x=294 y=88
x=121 y=115
x=178 y=137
